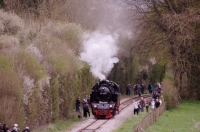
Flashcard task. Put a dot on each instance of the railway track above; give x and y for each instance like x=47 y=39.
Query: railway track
x=126 y=103
x=94 y=125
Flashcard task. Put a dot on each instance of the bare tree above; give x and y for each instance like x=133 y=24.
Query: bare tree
x=172 y=26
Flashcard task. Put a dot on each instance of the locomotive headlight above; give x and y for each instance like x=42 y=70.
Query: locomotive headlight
x=95 y=106
x=110 y=106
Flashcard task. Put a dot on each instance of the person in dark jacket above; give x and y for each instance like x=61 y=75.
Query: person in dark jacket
x=142 y=104
x=142 y=88
x=128 y=89
x=26 y=129
x=1 y=128
x=157 y=104
x=86 y=109
x=147 y=104
x=5 y=128
x=135 y=89
x=150 y=88
x=14 y=129
x=139 y=89
x=78 y=104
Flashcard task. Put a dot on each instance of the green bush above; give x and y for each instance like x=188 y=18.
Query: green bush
x=60 y=63
x=10 y=23
x=158 y=73
x=55 y=98
x=10 y=95
x=32 y=66
x=170 y=94
x=5 y=63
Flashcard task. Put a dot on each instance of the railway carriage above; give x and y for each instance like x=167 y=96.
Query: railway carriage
x=105 y=99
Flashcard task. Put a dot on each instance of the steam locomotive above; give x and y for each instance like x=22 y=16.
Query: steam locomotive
x=105 y=99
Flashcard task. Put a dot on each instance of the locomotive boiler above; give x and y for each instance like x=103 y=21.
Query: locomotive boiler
x=105 y=99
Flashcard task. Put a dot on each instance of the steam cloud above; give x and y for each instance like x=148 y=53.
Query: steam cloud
x=99 y=51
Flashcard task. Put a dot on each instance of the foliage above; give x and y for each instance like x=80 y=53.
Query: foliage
x=170 y=94
x=10 y=23
x=157 y=74
x=55 y=98
x=10 y=88
x=58 y=65
x=2 y=4
x=35 y=70
x=39 y=67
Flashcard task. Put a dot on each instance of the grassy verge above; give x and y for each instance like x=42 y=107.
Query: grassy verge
x=128 y=125
x=59 y=126
x=186 y=118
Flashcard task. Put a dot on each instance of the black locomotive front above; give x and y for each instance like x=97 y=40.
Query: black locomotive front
x=104 y=99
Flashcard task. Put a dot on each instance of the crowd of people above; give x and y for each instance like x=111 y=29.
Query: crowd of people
x=14 y=128
x=153 y=103
x=85 y=106
x=138 y=89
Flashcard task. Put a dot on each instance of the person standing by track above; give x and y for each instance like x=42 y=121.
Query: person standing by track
x=147 y=103
x=142 y=88
x=5 y=128
x=150 y=88
x=128 y=89
x=142 y=104
x=26 y=129
x=78 y=104
x=139 y=89
x=157 y=103
x=1 y=127
x=135 y=89
x=135 y=106
x=153 y=104
x=86 y=109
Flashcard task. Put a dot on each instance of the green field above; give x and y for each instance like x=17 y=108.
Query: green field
x=185 y=118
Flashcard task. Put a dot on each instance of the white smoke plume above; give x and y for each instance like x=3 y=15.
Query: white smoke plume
x=100 y=51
